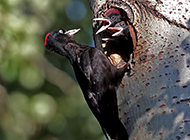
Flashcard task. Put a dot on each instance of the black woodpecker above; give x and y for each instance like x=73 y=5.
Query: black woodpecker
x=97 y=77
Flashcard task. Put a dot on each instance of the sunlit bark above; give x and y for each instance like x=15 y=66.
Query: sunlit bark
x=154 y=98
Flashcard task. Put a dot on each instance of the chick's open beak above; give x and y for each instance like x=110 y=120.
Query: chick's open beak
x=106 y=24
x=118 y=31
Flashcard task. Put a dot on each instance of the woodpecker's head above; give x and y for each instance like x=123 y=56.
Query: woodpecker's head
x=111 y=17
x=120 y=28
x=56 y=40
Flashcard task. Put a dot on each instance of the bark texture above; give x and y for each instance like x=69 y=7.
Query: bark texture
x=154 y=100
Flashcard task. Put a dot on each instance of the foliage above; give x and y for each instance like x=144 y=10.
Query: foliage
x=39 y=97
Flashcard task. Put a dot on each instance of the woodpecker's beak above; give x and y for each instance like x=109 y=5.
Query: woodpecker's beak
x=118 y=31
x=106 y=24
x=72 y=32
x=108 y=39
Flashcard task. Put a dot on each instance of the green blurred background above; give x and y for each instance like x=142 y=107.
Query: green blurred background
x=39 y=96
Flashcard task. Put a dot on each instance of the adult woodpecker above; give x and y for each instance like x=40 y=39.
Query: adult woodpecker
x=110 y=19
x=97 y=77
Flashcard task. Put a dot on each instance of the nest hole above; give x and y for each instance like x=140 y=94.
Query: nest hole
x=120 y=49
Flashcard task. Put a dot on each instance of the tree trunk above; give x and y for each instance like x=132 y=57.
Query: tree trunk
x=154 y=99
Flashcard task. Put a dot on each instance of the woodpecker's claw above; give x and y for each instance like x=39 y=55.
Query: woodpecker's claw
x=72 y=32
x=106 y=24
x=130 y=62
x=118 y=30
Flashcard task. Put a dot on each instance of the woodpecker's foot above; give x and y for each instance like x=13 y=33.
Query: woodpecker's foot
x=130 y=66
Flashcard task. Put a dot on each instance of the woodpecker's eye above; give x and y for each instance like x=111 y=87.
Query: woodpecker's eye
x=122 y=24
x=113 y=17
x=61 y=31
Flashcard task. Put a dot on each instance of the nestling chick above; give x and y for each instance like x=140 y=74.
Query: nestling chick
x=110 y=19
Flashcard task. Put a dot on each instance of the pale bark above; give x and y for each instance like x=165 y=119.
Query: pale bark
x=154 y=100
